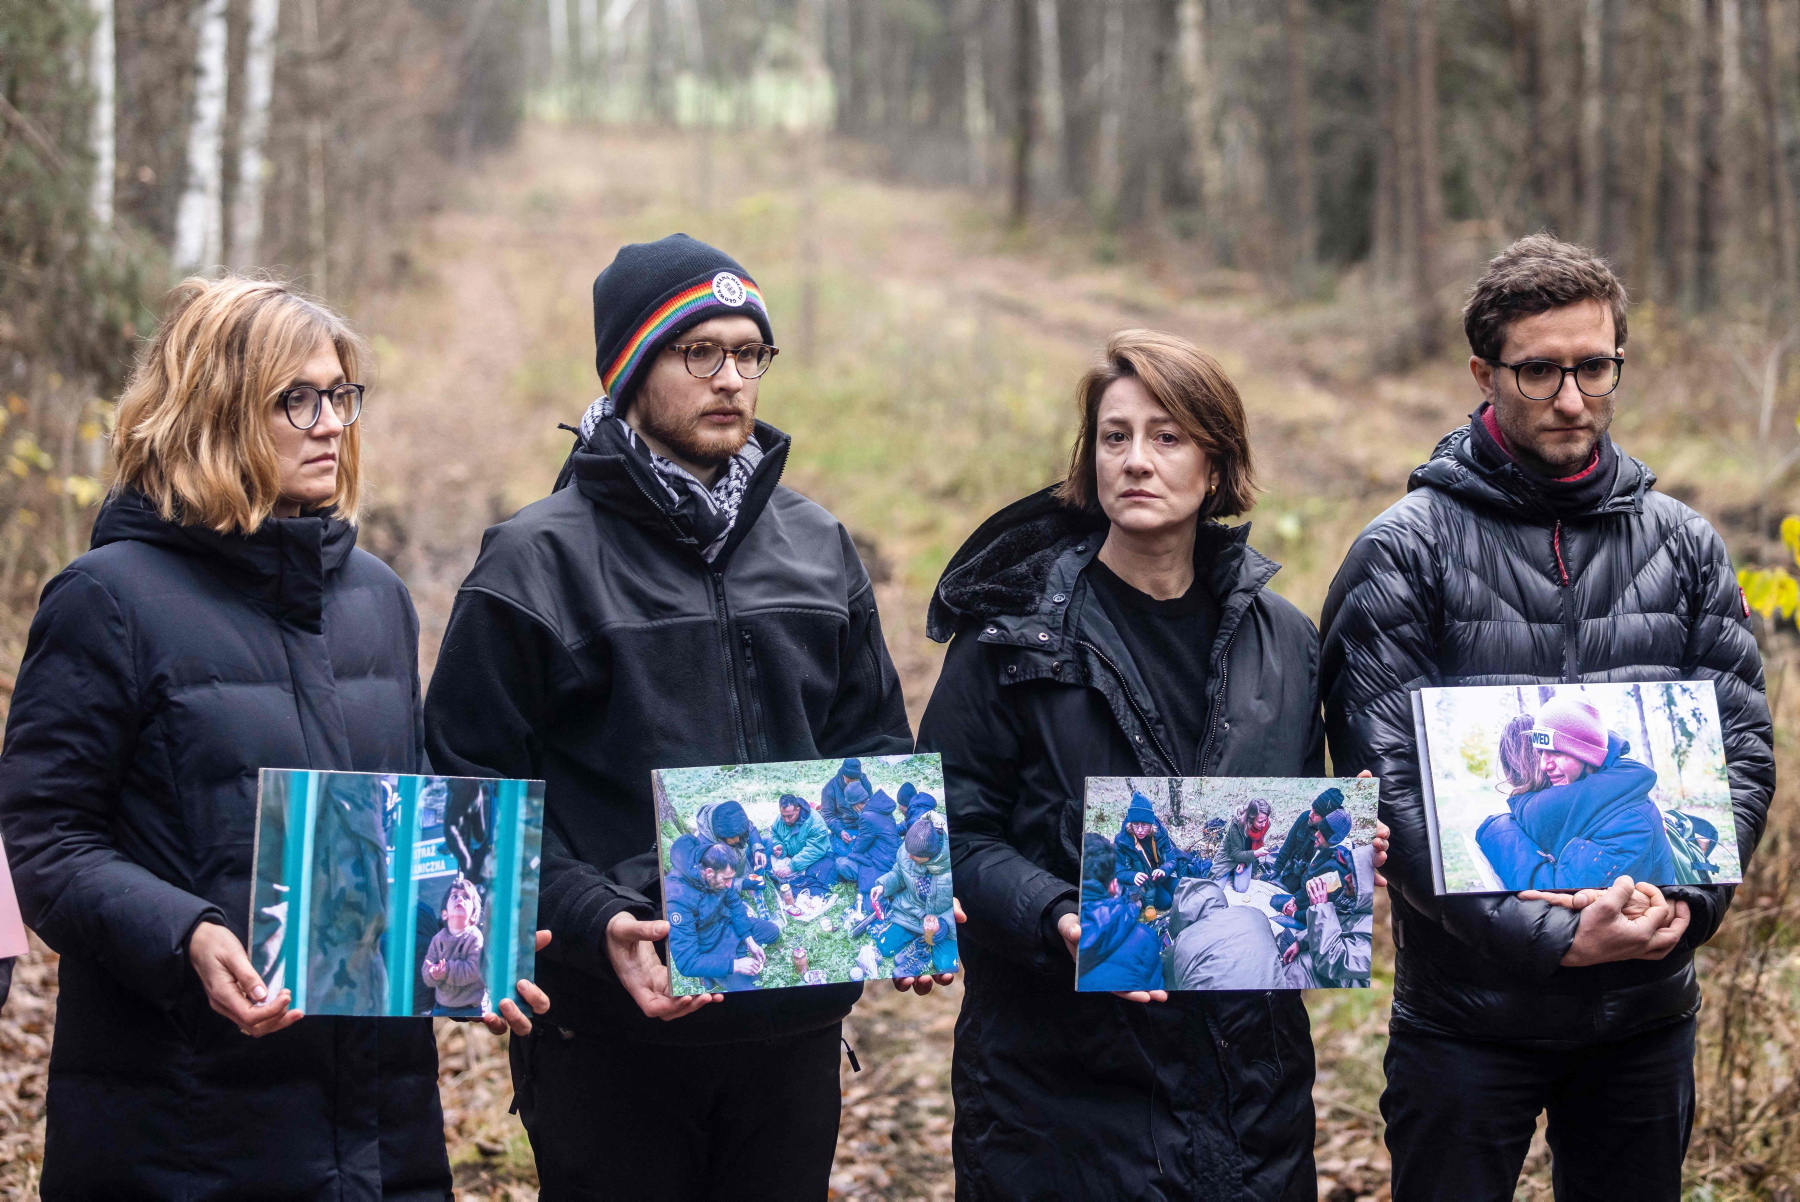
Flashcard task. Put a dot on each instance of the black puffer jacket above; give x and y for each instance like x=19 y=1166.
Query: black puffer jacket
x=592 y=643
x=1077 y=1095
x=164 y=668
x=1472 y=579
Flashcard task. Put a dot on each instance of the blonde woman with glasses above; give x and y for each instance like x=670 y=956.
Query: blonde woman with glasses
x=223 y=622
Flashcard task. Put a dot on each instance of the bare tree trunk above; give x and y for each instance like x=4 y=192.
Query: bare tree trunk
x=1650 y=169
x=200 y=218
x=556 y=13
x=102 y=77
x=317 y=246
x=1406 y=143
x=976 y=124
x=253 y=130
x=1111 y=167
x=1684 y=234
x=665 y=807
x=1306 y=220
x=1023 y=113
x=1781 y=216
x=1201 y=111
x=812 y=41
x=1384 y=215
x=1528 y=78
x=1430 y=188
x=1593 y=121
x=1050 y=94
x=1709 y=210
x=615 y=25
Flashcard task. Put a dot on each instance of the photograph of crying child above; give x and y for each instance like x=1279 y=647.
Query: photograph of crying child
x=807 y=873
x=1227 y=883
x=1573 y=786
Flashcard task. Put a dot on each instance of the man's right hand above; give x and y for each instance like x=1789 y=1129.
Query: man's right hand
x=846 y=836
x=232 y=986
x=1625 y=921
x=1140 y=878
x=645 y=978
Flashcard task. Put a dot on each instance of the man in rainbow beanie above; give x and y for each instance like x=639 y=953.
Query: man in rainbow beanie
x=668 y=605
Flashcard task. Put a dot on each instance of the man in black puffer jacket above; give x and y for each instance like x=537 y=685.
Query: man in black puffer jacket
x=1529 y=549
x=670 y=606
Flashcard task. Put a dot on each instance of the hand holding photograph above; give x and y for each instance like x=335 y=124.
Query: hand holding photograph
x=764 y=889
x=1571 y=786
x=378 y=894
x=1202 y=883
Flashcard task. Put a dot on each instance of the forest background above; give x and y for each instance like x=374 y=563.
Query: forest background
x=950 y=204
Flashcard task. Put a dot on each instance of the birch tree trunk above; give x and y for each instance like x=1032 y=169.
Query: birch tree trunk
x=253 y=130
x=102 y=76
x=199 y=219
x=557 y=16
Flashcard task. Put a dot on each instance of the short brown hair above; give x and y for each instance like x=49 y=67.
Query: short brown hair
x=193 y=433
x=1538 y=273
x=1191 y=385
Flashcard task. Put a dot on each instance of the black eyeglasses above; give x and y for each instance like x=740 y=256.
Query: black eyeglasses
x=704 y=359
x=304 y=404
x=1540 y=379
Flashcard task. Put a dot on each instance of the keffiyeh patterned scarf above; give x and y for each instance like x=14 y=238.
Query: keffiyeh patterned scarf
x=710 y=513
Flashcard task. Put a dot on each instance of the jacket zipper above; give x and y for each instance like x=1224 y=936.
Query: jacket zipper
x=731 y=680
x=1137 y=709
x=759 y=737
x=1571 y=627
x=1218 y=703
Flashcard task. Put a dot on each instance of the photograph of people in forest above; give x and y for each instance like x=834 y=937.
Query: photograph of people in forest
x=1573 y=786
x=1226 y=883
x=812 y=872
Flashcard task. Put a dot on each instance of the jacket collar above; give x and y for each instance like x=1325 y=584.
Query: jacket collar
x=611 y=474
x=282 y=563
x=1019 y=575
x=1455 y=467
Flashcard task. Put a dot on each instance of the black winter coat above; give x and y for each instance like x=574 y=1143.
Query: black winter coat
x=164 y=668
x=1079 y=1095
x=592 y=643
x=1472 y=580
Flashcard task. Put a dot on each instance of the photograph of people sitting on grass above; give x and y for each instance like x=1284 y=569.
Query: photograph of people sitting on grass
x=1573 y=786
x=805 y=873
x=1227 y=883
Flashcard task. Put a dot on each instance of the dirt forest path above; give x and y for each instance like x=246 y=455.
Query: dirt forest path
x=931 y=385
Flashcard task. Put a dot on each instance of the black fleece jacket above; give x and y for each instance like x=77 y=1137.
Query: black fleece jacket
x=592 y=643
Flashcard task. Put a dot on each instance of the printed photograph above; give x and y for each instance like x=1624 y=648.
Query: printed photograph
x=1572 y=786
x=379 y=894
x=811 y=872
x=1192 y=883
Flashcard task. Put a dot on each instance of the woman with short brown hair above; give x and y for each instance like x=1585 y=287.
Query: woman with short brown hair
x=223 y=622
x=1110 y=626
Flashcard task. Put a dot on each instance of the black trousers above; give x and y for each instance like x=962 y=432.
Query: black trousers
x=1460 y=1116
x=744 y=1121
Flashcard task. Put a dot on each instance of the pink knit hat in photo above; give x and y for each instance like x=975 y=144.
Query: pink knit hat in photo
x=1573 y=728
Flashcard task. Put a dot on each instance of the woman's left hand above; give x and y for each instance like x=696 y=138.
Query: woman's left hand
x=511 y=1018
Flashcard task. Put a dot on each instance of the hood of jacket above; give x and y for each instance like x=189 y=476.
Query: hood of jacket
x=283 y=563
x=1455 y=468
x=616 y=476
x=1195 y=898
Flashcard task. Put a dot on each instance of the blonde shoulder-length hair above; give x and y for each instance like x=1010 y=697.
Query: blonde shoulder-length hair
x=193 y=425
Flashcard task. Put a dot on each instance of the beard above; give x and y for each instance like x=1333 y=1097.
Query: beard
x=1563 y=459
x=680 y=427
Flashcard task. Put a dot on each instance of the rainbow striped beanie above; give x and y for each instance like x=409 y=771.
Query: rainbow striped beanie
x=654 y=291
